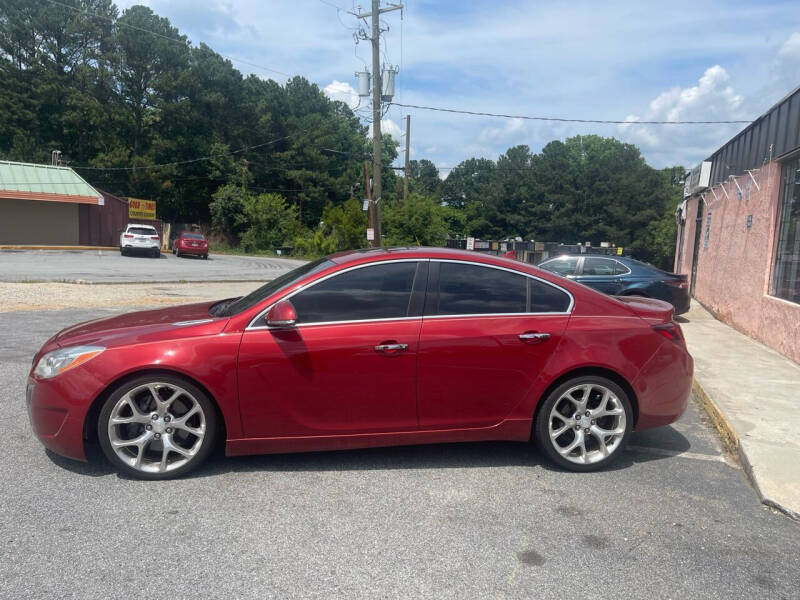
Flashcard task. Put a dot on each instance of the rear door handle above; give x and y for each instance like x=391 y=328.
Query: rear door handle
x=533 y=337
x=391 y=348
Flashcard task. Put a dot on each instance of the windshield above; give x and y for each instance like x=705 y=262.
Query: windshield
x=275 y=285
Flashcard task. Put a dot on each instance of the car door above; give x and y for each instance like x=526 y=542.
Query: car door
x=349 y=364
x=600 y=273
x=486 y=335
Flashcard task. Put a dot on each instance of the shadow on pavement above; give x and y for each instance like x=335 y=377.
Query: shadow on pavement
x=471 y=455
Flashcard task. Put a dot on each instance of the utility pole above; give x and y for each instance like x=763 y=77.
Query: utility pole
x=377 y=90
x=408 y=146
x=370 y=204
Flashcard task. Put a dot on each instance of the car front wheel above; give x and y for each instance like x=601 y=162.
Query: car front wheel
x=584 y=424
x=157 y=427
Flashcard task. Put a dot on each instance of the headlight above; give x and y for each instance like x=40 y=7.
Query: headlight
x=63 y=359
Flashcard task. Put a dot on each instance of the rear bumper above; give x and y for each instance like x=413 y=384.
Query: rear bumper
x=663 y=386
x=194 y=251
x=143 y=247
x=681 y=300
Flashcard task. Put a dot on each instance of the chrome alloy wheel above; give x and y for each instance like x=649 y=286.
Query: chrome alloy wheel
x=156 y=427
x=587 y=424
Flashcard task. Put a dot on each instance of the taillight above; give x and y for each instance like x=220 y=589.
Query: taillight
x=671 y=331
x=153 y=237
x=678 y=283
x=128 y=235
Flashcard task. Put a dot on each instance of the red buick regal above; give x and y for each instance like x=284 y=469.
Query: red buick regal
x=362 y=349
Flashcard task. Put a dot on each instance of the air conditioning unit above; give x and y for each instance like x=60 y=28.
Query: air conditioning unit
x=697 y=179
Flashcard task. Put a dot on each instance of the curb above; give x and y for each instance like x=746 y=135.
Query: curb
x=731 y=441
x=20 y=247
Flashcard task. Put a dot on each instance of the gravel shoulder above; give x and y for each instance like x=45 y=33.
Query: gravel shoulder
x=58 y=296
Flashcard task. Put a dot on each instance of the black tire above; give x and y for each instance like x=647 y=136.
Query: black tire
x=205 y=256
x=156 y=253
x=178 y=253
x=542 y=424
x=205 y=444
x=122 y=251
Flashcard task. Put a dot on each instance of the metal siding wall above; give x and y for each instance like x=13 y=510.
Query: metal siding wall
x=750 y=148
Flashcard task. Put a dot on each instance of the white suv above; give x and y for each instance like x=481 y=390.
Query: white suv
x=140 y=238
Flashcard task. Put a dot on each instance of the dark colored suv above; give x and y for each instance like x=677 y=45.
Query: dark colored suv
x=622 y=276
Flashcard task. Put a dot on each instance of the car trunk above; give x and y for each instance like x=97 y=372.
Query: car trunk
x=650 y=309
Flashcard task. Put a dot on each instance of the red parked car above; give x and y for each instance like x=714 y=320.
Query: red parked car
x=367 y=348
x=190 y=244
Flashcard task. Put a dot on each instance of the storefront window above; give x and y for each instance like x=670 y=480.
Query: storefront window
x=786 y=278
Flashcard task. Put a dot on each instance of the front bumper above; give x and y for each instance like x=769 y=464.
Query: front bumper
x=57 y=409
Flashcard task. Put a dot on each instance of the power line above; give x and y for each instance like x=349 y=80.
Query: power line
x=563 y=120
x=155 y=33
x=183 y=162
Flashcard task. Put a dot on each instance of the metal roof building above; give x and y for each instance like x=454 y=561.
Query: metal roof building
x=40 y=204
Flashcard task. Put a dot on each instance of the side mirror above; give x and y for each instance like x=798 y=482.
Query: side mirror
x=282 y=315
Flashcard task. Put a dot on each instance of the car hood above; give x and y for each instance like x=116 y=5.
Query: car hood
x=144 y=326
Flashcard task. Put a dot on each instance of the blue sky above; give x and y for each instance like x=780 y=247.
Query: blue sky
x=617 y=60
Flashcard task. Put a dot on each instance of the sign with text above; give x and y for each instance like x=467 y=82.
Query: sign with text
x=370 y=234
x=141 y=209
x=470 y=243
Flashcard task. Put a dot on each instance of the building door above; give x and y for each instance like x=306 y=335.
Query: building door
x=698 y=231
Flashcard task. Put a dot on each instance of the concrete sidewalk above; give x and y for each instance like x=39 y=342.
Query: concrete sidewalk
x=753 y=395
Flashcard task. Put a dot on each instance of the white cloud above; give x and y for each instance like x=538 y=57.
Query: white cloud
x=342 y=91
x=712 y=99
x=512 y=131
x=391 y=128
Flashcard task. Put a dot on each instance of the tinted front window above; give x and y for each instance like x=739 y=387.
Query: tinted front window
x=375 y=292
x=473 y=290
x=275 y=285
x=561 y=266
x=598 y=266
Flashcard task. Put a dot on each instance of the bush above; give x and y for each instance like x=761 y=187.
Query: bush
x=271 y=222
x=227 y=212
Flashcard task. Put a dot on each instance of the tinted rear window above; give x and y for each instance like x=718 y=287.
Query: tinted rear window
x=142 y=230
x=474 y=290
x=192 y=236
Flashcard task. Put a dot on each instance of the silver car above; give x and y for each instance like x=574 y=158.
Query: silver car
x=140 y=238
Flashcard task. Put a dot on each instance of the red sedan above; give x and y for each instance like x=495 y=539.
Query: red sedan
x=190 y=244
x=362 y=349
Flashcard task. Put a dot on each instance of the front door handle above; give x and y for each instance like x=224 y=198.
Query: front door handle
x=533 y=337
x=391 y=348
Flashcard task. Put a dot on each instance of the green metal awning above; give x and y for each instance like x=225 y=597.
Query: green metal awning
x=26 y=181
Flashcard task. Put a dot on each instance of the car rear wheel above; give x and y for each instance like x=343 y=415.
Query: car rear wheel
x=584 y=424
x=157 y=427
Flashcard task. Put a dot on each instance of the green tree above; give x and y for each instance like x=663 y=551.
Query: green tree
x=421 y=221
x=271 y=222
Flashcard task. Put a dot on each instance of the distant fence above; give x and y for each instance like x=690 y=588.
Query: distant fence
x=531 y=252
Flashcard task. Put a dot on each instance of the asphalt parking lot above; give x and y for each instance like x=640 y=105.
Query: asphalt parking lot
x=673 y=519
x=104 y=266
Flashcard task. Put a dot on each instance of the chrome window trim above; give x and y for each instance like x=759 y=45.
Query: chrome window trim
x=515 y=272
x=252 y=327
x=320 y=280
